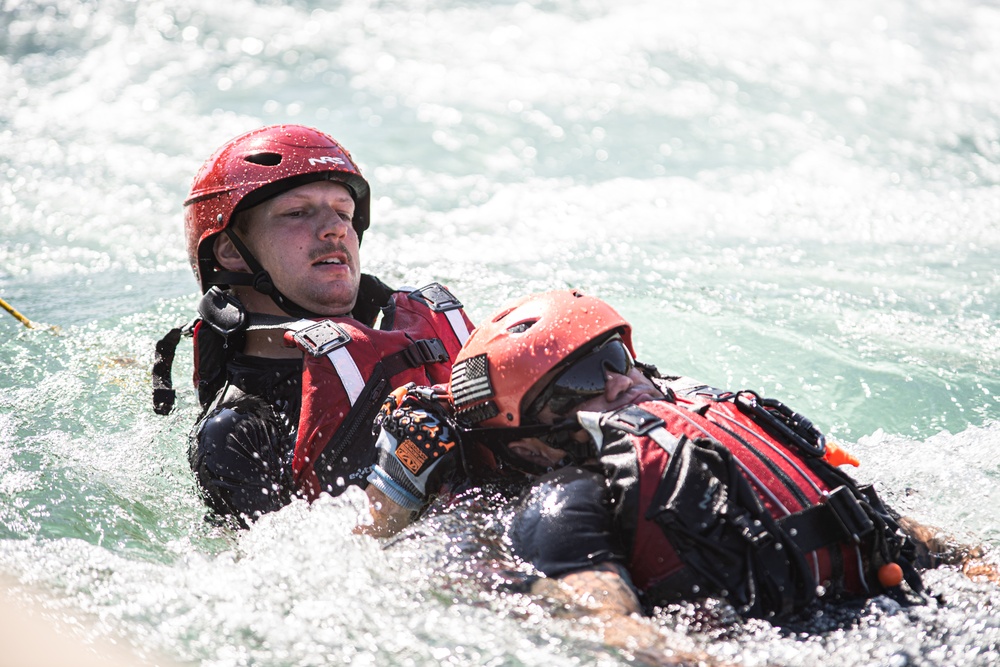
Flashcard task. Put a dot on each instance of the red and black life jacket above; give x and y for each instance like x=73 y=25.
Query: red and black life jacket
x=348 y=371
x=732 y=506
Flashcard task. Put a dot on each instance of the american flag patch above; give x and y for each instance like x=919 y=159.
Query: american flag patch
x=470 y=381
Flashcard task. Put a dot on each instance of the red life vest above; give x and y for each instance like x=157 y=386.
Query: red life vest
x=348 y=371
x=784 y=483
x=795 y=488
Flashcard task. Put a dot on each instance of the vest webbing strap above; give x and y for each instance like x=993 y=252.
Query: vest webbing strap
x=419 y=353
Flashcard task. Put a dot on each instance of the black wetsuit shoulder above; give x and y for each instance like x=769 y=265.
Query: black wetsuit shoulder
x=563 y=522
x=241 y=451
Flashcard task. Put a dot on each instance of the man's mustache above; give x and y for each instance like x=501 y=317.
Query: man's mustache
x=329 y=249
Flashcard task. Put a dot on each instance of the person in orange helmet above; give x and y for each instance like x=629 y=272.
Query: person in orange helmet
x=641 y=489
x=289 y=369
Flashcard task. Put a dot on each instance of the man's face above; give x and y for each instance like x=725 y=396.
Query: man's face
x=620 y=389
x=305 y=240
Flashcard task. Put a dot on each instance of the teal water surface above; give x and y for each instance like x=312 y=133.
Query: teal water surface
x=804 y=201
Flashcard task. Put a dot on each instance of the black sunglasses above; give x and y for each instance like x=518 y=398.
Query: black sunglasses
x=584 y=378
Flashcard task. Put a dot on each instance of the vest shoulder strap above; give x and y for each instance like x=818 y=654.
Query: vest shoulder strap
x=436 y=298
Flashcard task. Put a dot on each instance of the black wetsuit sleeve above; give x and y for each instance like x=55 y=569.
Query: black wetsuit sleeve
x=563 y=524
x=241 y=459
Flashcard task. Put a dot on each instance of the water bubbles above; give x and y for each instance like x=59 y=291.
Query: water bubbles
x=251 y=46
x=698 y=172
x=857 y=106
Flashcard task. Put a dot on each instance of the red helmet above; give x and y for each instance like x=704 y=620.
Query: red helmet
x=254 y=167
x=506 y=356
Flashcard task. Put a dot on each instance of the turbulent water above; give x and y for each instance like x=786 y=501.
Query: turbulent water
x=803 y=200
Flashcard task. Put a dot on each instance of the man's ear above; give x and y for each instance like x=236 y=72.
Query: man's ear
x=227 y=255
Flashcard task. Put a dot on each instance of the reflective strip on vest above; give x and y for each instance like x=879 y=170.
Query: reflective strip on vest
x=348 y=372
x=458 y=325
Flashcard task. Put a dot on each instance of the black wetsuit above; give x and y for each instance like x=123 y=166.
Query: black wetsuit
x=241 y=449
x=566 y=521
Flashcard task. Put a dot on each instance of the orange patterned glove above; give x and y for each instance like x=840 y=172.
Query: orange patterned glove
x=415 y=438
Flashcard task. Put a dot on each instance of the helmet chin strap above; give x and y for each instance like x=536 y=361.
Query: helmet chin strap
x=258 y=278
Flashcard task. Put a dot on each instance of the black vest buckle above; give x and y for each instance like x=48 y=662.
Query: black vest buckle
x=426 y=351
x=633 y=420
x=841 y=518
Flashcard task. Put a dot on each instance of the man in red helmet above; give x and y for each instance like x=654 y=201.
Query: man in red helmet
x=288 y=367
x=644 y=490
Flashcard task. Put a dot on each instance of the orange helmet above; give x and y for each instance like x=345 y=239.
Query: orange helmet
x=254 y=167
x=510 y=353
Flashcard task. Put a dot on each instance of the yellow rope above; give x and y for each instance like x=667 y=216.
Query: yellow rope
x=20 y=318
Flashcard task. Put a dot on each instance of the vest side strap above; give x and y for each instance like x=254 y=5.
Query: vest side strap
x=420 y=353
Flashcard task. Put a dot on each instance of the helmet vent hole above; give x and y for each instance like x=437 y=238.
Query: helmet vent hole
x=264 y=159
x=502 y=314
x=521 y=328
